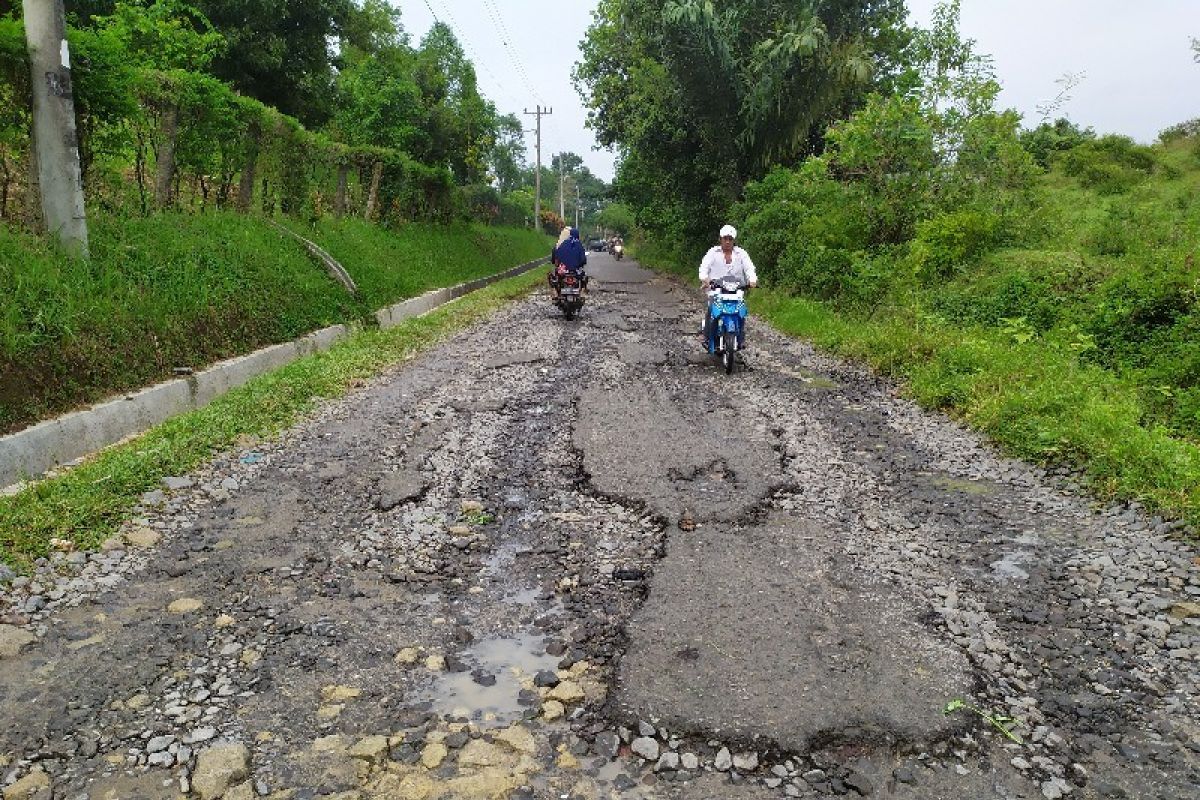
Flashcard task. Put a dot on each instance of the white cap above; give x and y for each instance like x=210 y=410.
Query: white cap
x=729 y=230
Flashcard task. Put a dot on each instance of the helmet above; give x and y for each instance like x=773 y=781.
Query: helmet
x=729 y=231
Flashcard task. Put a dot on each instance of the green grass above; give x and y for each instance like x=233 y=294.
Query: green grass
x=86 y=505
x=184 y=290
x=390 y=265
x=1034 y=398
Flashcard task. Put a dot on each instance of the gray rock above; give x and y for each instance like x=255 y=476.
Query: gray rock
x=159 y=743
x=689 y=761
x=724 y=761
x=646 y=729
x=746 y=762
x=607 y=744
x=667 y=762
x=178 y=484
x=859 y=783
x=646 y=747
x=815 y=776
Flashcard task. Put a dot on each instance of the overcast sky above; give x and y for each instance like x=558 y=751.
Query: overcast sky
x=1139 y=76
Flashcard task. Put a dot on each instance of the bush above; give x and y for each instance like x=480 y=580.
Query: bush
x=1110 y=165
x=947 y=243
x=1048 y=140
x=831 y=273
x=1136 y=310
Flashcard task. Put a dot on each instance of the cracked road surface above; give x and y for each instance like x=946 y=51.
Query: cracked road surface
x=591 y=565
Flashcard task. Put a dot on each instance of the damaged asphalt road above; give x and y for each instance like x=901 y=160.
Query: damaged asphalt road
x=594 y=566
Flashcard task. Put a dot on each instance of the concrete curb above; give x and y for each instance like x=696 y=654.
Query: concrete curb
x=35 y=450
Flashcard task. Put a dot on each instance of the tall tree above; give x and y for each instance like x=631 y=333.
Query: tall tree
x=701 y=96
x=279 y=51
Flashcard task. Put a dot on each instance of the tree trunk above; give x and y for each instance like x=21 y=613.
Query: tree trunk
x=165 y=177
x=339 y=201
x=246 y=184
x=373 y=195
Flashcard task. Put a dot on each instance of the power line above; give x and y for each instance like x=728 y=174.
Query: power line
x=457 y=29
x=505 y=38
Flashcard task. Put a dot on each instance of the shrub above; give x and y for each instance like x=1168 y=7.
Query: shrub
x=1110 y=165
x=946 y=243
x=1048 y=140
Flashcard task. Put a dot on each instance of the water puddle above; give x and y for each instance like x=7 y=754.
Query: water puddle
x=1010 y=566
x=510 y=661
x=525 y=597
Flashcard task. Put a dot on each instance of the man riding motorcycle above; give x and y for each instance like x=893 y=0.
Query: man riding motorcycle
x=726 y=260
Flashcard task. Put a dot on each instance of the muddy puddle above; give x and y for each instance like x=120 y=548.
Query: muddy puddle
x=511 y=661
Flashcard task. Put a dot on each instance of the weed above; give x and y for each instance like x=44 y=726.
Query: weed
x=1000 y=723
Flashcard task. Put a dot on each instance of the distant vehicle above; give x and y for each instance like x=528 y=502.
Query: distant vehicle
x=598 y=245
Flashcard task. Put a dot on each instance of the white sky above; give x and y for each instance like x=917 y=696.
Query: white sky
x=1140 y=76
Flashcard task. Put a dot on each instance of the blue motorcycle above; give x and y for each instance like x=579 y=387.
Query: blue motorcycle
x=726 y=329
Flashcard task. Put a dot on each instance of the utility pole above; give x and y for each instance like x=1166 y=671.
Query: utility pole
x=576 y=205
x=537 y=191
x=55 y=140
x=562 y=187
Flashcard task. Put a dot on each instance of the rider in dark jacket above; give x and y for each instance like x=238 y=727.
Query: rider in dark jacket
x=570 y=256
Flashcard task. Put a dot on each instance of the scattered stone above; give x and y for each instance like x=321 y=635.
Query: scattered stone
x=142 y=537
x=1184 y=610
x=339 y=694
x=13 y=640
x=218 y=767
x=518 y=738
x=185 y=605
x=373 y=749
x=553 y=710
x=646 y=747
x=34 y=786
x=859 y=783
x=434 y=754
x=724 y=760
x=567 y=692
x=746 y=762
x=546 y=678
x=408 y=656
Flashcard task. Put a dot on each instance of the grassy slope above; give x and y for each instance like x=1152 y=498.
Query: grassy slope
x=187 y=290
x=86 y=505
x=1015 y=363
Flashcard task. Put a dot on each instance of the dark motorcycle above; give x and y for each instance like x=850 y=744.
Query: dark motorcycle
x=570 y=290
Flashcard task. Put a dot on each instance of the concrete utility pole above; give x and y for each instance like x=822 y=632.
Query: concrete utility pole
x=562 y=188
x=537 y=180
x=576 y=205
x=55 y=140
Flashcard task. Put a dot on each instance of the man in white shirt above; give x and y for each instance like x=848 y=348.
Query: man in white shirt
x=726 y=260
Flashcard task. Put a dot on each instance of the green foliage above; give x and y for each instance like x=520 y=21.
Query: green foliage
x=163 y=34
x=702 y=97
x=616 y=217
x=1049 y=139
x=1110 y=165
x=952 y=241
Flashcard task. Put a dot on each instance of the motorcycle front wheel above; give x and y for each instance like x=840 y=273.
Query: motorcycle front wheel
x=728 y=350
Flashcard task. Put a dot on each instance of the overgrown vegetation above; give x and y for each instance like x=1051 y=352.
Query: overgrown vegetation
x=1041 y=284
x=181 y=290
x=86 y=505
